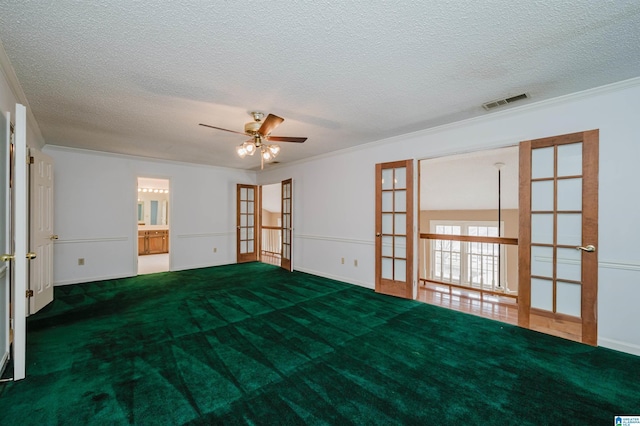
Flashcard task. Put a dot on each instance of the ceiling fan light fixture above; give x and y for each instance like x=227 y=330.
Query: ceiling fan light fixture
x=267 y=155
x=275 y=150
x=259 y=130
x=252 y=127
x=249 y=147
x=241 y=151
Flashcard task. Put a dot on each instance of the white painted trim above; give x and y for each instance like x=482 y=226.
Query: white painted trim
x=334 y=239
x=617 y=345
x=16 y=88
x=85 y=280
x=364 y=284
x=61 y=148
x=625 y=266
x=489 y=116
x=204 y=265
x=21 y=245
x=206 y=234
x=92 y=240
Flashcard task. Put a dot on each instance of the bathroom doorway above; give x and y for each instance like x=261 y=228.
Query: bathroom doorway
x=153 y=209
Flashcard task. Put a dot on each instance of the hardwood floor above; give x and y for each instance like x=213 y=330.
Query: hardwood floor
x=494 y=307
x=498 y=308
x=271 y=258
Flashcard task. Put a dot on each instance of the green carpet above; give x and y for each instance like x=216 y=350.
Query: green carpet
x=253 y=344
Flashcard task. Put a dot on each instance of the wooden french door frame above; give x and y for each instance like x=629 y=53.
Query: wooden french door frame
x=394 y=238
x=247 y=223
x=587 y=322
x=287 y=224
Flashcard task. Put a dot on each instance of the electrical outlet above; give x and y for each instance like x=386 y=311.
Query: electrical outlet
x=342 y=261
x=81 y=261
x=355 y=262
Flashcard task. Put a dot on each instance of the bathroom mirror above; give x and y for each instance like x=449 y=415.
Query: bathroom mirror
x=153 y=209
x=140 y=213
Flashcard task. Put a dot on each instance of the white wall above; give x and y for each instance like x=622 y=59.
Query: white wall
x=95 y=213
x=334 y=199
x=334 y=195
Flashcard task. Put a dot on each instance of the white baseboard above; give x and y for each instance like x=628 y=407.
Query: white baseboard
x=204 y=265
x=337 y=278
x=91 y=279
x=619 y=346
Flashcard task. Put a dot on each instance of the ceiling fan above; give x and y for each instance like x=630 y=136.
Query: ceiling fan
x=260 y=133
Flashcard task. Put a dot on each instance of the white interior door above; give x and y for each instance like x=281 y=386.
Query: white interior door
x=5 y=243
x=19 y=285
x=41 y=231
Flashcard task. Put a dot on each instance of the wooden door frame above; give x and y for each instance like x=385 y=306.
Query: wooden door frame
x=410 y=193
x=257 y=218
x=286 y=264
x=589 y=299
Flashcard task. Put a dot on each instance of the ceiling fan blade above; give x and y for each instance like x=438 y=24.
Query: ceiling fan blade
x=270 y=123
x=285 y=139
x=220 y=128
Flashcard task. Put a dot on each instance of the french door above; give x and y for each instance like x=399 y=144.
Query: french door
x=287 y=224
x=394 y=228
x=247 y=220
x=558 y=259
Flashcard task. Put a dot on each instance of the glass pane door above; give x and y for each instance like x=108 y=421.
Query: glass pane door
x=287 y=223
x=246 y=238
x=394 y=235
x=561 y=211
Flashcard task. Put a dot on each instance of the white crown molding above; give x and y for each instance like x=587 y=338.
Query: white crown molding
x=141 y=158
x=512 y=111
x=16 y=88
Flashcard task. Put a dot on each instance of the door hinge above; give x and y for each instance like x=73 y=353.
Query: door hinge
x=31 y=160
x=29 y=293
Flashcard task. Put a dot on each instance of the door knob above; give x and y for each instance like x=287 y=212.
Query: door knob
x=7 y=257
x=31 y=255
x=53 y=237
x=378 y=234
x=589 y=248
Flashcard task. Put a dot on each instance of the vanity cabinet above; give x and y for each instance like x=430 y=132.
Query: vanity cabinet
x=153 y=242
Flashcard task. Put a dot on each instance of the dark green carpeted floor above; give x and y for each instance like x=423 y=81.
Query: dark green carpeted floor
x=252 y=344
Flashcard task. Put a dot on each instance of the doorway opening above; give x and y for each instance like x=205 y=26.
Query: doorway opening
x=152 y=211
x=271 y=225
x=512 y=234
x=469 y=224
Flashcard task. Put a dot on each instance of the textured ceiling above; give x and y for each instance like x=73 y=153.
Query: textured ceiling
x=470 y=181
x=137 y=77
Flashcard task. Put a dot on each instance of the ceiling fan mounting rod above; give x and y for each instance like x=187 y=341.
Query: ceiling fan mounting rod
x=257 y=115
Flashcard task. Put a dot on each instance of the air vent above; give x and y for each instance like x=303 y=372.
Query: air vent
x=499 y=102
